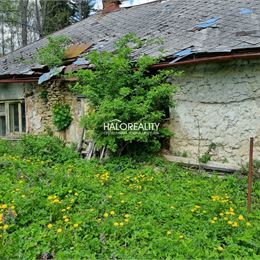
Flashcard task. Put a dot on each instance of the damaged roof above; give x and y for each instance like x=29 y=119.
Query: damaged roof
x=185 y=27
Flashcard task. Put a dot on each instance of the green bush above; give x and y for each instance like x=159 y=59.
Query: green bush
x=126 y=91
x=46 y=148
x=61 y=116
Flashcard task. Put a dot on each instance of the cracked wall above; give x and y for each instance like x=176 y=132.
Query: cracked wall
x=220 y=104
x=39 y=102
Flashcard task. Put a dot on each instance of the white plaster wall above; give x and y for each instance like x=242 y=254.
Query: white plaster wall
x=220 y=104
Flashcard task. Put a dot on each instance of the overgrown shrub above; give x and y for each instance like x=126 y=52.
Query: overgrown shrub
x=120 y=89
x=61 y=116
x=47 y=148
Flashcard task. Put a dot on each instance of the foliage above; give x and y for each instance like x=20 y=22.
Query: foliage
x=61 y=116
x=207 y=156
x=53 y=53
x=123 y=209
x=61 y=13
x=256 y=169
x=46 y=148
x=120 y=89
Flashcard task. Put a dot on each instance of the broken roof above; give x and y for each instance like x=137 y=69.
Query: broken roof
x=197 y=26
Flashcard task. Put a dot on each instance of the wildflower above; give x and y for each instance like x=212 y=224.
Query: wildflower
x=235 y=224
x=121 y=224
x=122 y=201
x=68 y=207
x=169 y=232
x=59 y=230
x=76 y=225
x=105 y=215
x=221 y=214
x=3 y=206
x=49 y=226
x=248 y=224
x=215 y=218
x=5 y=227
x=197 y=206
x=212 y=221
x=63 y=210
x=220 y=248
x=99 y=220
x=230 y=222
x=116 y=224
x=181 y=236
x=109 y=196
x=240 y=217
x=66 y=220
x=112 y=213
x=231 y=209
x=76 y=194
x=225 y=218
x=12 y=207
x=126 y=220
x=65 y=217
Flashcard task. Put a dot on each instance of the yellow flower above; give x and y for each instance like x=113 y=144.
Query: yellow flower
x=66 y=220
x=59 y=230
x=231 y=209
x=121 y=224
x=248 y=224
x=116 y=224
x=49 y=226
x=122 y=201
x=220 y=248
x=169 y=232
x=106 y=215
x=1 y=236
x=230 y=222
x=126 y=220
x=76 y=225
x=126 y=215
x=112 y=213
x=240 y=217
x=215 y=218
x=63 y=210
x=225 y=218
x=3 y=206
x=99 y=220
x=76 y=194
x=12 y=207
x=181 y=236
x=221 y=214
x=212 y=221
x=65 y=217
x=68 y=207
x=109 y=196
x=197 y=206
x=5 y=227
x=235 y=224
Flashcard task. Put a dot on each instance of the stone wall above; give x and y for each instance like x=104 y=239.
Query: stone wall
x=39 y=103
x=218 y=104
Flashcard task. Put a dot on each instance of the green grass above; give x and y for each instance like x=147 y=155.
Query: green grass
x=122 y=209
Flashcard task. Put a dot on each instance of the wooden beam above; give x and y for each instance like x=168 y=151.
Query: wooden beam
x=211 y=165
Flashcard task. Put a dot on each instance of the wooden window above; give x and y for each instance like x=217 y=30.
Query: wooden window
x=12 y=117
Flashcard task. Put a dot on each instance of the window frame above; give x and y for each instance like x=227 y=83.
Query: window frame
x=6 y=114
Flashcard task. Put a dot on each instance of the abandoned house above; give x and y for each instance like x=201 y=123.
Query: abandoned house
x=215 y=43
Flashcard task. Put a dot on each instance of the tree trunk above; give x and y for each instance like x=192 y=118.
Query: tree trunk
x=2 y=35
x=24 y=12
x=38 y=19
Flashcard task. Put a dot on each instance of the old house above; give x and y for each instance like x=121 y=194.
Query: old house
x=216 y=44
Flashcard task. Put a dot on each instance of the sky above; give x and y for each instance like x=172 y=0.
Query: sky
x=98 y=4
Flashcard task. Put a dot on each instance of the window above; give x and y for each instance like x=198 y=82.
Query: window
x=12 y=117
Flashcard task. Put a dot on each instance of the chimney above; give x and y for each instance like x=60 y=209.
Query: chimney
x=110 y=5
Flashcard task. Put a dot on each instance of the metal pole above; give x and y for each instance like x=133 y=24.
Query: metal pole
x=250 y=176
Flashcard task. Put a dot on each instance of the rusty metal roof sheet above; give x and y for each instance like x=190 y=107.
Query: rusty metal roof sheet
x=220 y=25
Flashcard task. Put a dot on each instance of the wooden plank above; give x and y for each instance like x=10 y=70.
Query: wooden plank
x=211 y=165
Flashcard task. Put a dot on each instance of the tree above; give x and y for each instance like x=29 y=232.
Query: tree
x=120 y=90
x=61 y=13
x=24 y=20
